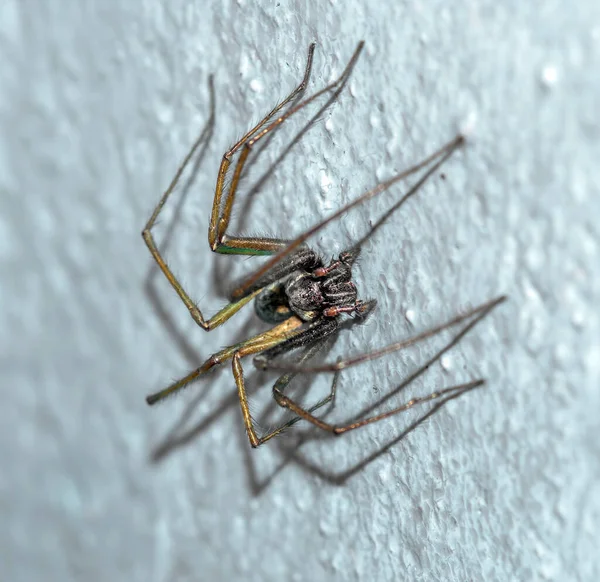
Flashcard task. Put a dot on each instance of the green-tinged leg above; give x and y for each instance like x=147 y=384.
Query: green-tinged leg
x=253 y=246
x=239 y=246
x=222 y=208
x=219 y=218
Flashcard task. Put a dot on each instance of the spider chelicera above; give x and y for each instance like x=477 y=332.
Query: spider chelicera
x=305 y=299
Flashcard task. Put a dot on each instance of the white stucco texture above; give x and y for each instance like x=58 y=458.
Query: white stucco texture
x=99 y=103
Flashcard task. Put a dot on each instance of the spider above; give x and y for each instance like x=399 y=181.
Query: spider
x=305 y=299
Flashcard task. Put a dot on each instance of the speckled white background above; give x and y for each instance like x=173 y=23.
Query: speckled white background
x=98 y=103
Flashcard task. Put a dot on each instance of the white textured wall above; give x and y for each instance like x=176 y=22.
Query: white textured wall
x=98 y=103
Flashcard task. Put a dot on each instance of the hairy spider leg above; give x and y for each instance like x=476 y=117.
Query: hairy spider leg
x=264 y=361
x=315 y=334
x=258 y=343
x=283 y=332
x=452 y=391
x=439 y=157
x=227 y=312
x=217 y=237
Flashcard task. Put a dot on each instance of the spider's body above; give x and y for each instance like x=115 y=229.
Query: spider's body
x=313 y=291
x=295 y=291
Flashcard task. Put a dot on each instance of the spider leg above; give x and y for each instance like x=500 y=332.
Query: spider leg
x=279 y=387
x=217 y=237
x=451 y=392
x=228 y=311
x=299 y=90
x=263 y=341
x=435 y=160
x=147 y=232
x=284 y=380
x=314 y=337
x=264 y=361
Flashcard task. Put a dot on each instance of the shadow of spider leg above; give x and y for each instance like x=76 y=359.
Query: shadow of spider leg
x=265 y=361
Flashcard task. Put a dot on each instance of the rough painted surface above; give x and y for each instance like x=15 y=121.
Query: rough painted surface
x=98 y=105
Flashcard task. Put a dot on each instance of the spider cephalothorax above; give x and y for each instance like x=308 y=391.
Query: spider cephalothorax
x=313 y=290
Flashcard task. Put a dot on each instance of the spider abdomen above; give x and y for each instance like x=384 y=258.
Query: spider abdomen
x=271 y=304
